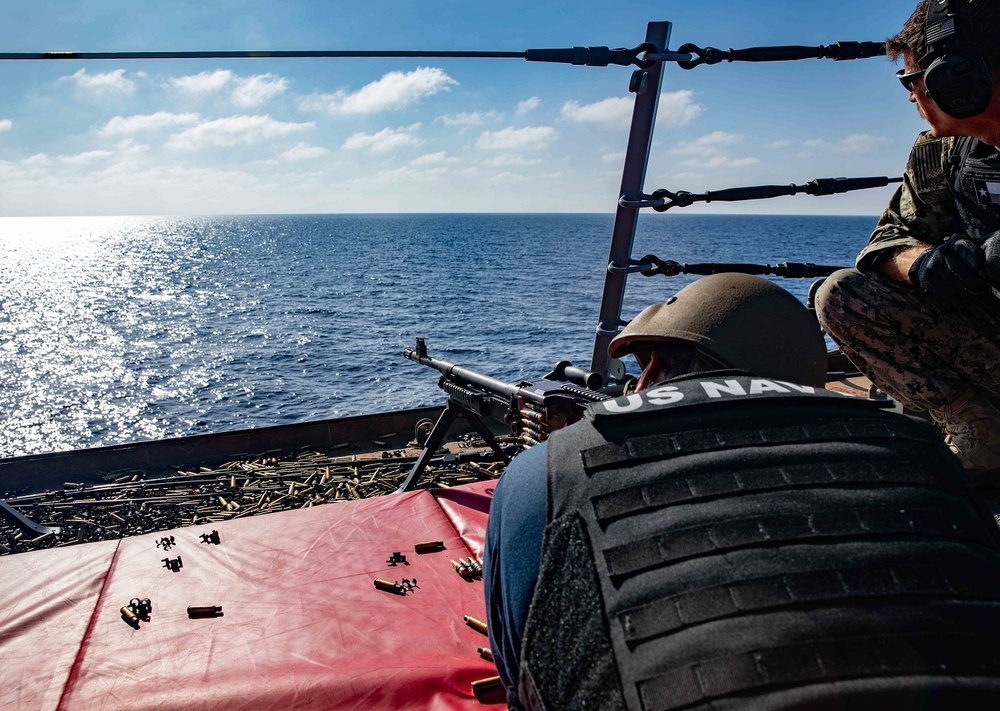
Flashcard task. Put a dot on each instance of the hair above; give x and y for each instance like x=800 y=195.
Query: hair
x=984 y=19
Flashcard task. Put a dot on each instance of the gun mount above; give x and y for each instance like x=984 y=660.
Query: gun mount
x=532 y=409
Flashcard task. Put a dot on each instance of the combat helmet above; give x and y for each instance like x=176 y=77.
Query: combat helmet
x=741 y=320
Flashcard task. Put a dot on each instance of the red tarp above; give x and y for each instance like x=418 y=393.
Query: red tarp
x=303 y=625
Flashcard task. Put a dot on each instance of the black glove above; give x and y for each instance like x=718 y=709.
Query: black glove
x=991 y=250
x=953 y=266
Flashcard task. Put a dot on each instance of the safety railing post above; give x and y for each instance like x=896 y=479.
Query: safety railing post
x=645 y=83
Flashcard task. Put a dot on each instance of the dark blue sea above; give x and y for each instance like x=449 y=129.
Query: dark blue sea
x=115 y=330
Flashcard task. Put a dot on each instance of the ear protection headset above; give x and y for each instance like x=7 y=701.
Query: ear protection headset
x=957 y=78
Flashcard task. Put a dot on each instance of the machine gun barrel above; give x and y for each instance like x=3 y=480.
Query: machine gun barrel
x=454 y=372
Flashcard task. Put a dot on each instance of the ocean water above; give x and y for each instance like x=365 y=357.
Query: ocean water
x=115 y=330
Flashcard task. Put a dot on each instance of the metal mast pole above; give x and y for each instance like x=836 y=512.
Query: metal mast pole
x=645 y=83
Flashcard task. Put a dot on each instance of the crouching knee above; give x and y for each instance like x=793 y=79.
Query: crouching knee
x=839 y=299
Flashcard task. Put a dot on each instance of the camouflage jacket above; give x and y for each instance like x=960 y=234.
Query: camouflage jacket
x=926 y=208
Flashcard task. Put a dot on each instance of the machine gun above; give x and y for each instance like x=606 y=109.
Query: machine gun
x=532 y=409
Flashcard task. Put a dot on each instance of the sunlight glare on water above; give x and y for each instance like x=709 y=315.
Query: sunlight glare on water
x=115 y=330
x=72 y=327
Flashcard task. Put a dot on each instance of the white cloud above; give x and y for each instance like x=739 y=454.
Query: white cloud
x=395 y=176
x=506 y=159
x=528 y=105
x=128 y=146
x=507 y=177
x=784 y=143
x=203 y=82
x=513 y=178
x=469 y=118
x=85 y=158
x=37 y=160
x=236 y=130
x=303 y=151
x=860 y=143
x=393 y=91
x=384 y=141
x=707 y=151
x=512 y=139
x=708 y=144
x=609 y=113
x=6 y=125
x=678 y=108
x=257 y=89
x=855 y=143
x=247 y=92
x=721 y=161
x=433 y=158
x=689 y=178
x=111 y=82
x=615 y=157
x=126 y=125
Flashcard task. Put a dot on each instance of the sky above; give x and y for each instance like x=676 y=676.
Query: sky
x=257 y=135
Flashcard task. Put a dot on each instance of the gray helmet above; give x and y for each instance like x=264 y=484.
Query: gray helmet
x=745 y=321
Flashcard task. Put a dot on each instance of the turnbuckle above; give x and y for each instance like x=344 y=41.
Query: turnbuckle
x=649 y=265
x=702 y=55
x=596 y=56
x=838 y=51
x=661 y=200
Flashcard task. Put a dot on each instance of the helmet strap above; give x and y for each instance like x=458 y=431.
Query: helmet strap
x=651 y=374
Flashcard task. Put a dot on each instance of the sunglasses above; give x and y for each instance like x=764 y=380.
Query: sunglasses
x=907 y=80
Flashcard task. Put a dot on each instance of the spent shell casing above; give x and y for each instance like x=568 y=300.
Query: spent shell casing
x=389 y=586
x=199 y=612
x=485 y=653
x=477 y=625
x=429 y=547
x=484 y=689
x=128 y=614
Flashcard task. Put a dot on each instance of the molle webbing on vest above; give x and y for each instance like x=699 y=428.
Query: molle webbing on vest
x=713 y=439
x=567 y=595
x=857 y=657
x=678 y=545
x=787 y=546
x=799 y=589
x=740 y=479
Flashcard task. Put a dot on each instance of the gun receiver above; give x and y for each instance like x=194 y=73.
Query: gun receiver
x=532 y=409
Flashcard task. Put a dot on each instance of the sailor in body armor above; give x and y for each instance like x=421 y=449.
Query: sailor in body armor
x=732 y=535
x=920 y=316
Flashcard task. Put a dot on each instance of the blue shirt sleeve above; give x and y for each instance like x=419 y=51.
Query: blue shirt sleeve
x=512 y=555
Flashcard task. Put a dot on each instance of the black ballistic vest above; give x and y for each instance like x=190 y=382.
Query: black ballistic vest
x=729 y=542
x=976 y=181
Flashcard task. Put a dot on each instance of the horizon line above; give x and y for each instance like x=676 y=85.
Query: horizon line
x=412 y=214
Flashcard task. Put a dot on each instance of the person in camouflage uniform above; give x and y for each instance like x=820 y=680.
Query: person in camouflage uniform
x=920 y=315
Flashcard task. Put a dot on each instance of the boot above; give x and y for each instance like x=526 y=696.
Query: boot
x=972 y=431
